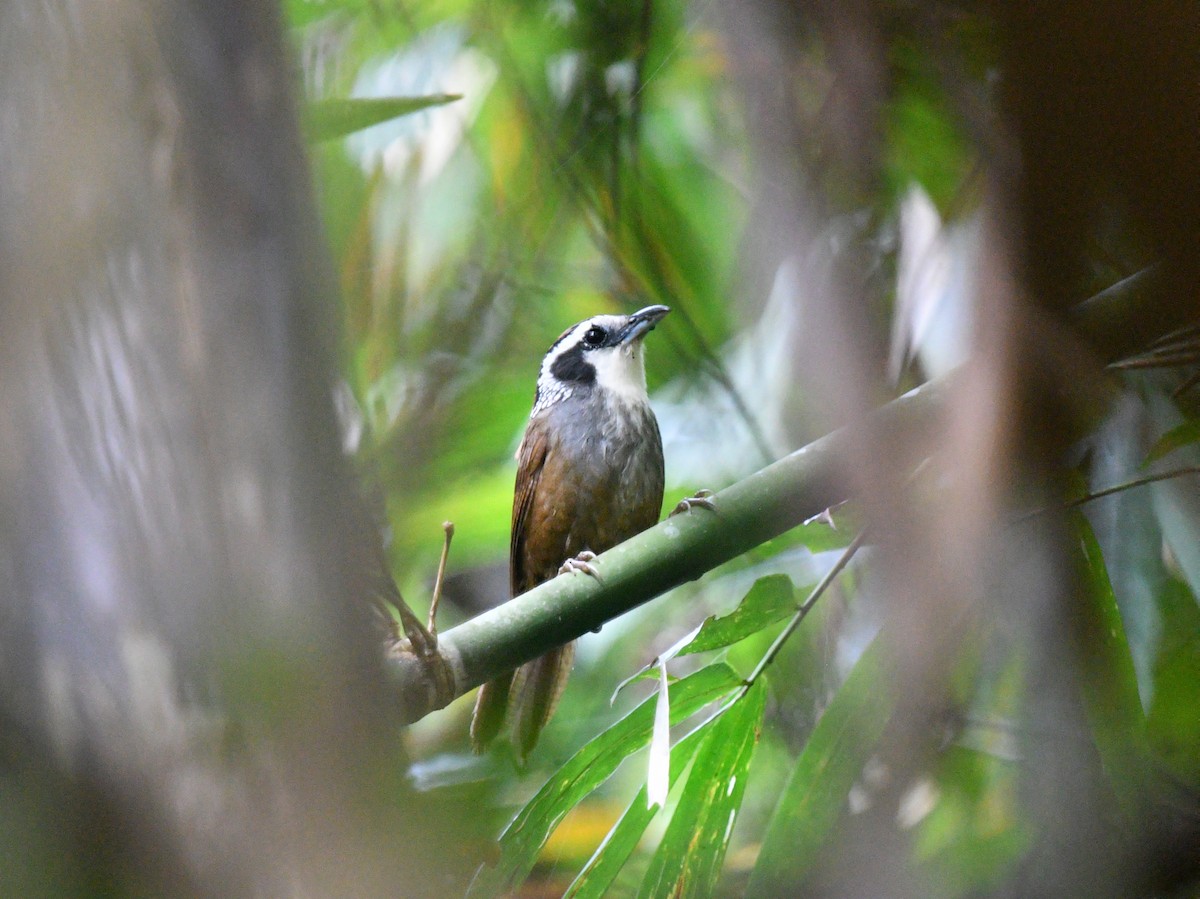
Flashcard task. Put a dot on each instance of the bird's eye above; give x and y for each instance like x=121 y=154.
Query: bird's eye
x=594 y=337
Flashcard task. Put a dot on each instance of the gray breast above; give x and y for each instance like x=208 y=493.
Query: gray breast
x=616 y=463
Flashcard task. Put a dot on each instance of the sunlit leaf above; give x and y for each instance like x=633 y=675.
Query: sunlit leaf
x=771 y=599
x=589 y=768
x=815 y=794
x=688 y=860
x=658 y=776
x=327 y=119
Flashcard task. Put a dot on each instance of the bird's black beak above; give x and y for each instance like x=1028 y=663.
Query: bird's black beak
x=641 y=323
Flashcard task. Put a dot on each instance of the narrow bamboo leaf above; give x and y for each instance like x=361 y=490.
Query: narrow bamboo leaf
x=327 y=119
x=1111 y=697
x=815 y=793
x=1179 y=436
x=688 y=860
x=658 y=774
x=771 y=599
x=594 y=880
x=587 y=769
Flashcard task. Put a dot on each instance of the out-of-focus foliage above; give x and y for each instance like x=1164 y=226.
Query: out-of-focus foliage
x=470 y=235
x=832 y=760
x=600 y=159
x=329 y=119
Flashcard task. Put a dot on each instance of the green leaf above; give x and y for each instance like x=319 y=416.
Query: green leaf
x=590 y=767
x=924 y=141
x=771 y=599
x=1172 y=725
x=597 y=875
x=688 y=860
x=1111 y=697
x=1179 y=436
x=327 y=119
x=813 y=798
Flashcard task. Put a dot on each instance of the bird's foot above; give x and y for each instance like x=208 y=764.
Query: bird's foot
x=581 y=562
x=702 y=498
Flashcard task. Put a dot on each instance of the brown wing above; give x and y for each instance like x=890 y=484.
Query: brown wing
x=531 y=459
x=541 y=528
x=491 y=703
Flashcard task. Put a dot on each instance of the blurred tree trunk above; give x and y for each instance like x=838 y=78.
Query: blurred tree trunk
x=190 y=696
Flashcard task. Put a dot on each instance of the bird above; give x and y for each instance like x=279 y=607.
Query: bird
x=589 y=476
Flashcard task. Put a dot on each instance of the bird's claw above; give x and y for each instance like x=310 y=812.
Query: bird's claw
x=702 y=498
x=581 y=562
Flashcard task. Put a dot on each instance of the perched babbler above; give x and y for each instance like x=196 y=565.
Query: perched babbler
x=589 y=475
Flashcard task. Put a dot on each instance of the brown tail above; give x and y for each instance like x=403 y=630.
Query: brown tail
x=491 y=705
x=537 y=688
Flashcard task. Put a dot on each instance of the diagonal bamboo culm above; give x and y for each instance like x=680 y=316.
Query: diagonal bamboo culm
x=1118 y=321
x=679 y=549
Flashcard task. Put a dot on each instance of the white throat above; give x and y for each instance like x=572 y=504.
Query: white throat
x=622 y=371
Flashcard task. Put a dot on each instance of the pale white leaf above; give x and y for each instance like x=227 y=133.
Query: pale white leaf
x=658 y=778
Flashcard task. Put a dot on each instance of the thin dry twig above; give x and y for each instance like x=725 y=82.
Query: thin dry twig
x=805 y=607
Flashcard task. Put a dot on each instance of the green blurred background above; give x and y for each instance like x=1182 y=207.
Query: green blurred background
x=600 y=157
